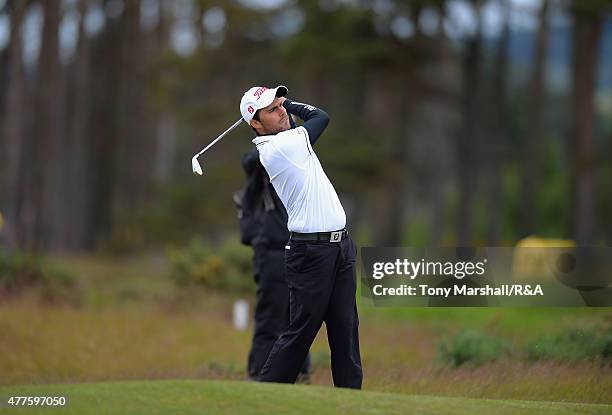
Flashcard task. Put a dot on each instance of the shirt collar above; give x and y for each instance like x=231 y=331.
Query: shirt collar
x=261 y=139
x=266 y=137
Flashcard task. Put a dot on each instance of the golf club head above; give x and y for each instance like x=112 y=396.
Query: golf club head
x=195 y=165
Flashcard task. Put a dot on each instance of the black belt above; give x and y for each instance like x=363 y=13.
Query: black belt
x=335 y=236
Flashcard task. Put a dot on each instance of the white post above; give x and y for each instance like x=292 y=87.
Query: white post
x=241 y=315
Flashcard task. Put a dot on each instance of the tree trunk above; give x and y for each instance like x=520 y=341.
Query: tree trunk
x=48 y=158
x=131 y=151
x=166 y=134
x=13 y=127
x=390 y=206
x=587 y=34
x=78 y=115
x=105 y=66
x=497 y=144
x=534 y=138
x=469 y=139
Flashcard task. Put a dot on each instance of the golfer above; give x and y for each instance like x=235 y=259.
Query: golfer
x=319 y=256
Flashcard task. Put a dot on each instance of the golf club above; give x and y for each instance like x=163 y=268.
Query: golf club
x=195 y=164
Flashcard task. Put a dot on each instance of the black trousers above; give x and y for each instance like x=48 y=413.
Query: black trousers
x=322 y=284
x=271 y=308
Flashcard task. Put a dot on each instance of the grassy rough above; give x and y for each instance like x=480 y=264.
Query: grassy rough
x=42 y=344
x=228 y=398
x=135 y=323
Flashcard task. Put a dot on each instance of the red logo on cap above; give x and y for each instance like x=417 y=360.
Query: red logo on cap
x=250 y=109
x=260 y=91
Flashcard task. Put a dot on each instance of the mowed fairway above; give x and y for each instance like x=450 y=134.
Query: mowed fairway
x=226 y=397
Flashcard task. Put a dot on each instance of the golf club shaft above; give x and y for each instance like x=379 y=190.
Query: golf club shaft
x=220 y=137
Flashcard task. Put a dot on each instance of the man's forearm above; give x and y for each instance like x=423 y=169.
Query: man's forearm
x=315 y=119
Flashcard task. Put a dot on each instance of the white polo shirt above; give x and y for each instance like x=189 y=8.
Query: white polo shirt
x=300 y=182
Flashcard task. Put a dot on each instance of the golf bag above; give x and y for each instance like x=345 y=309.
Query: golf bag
x=261 y=215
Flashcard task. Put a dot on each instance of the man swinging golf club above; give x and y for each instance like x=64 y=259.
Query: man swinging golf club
x=320 y=256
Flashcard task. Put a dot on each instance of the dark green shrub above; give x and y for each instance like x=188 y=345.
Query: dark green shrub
x=23 y=271
x=574 y=344
x=225 y=267
x=471 y=347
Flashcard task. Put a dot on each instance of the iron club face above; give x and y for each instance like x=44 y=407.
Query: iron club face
x=195 y=165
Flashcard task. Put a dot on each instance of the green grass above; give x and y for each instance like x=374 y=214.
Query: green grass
x=134 y=323
x=227 y=398
x=42 y=344
x=509 y=321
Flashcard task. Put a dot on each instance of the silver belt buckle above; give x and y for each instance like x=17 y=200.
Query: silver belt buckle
x=335 y=236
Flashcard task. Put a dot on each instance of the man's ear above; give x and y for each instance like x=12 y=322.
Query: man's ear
x=256 y=124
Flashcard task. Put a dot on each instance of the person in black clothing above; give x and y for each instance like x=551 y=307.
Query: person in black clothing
x=263 y=224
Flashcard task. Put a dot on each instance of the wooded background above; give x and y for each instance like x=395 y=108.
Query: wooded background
x=452 y=122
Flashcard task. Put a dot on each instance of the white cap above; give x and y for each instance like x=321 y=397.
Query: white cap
x=257 y=98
